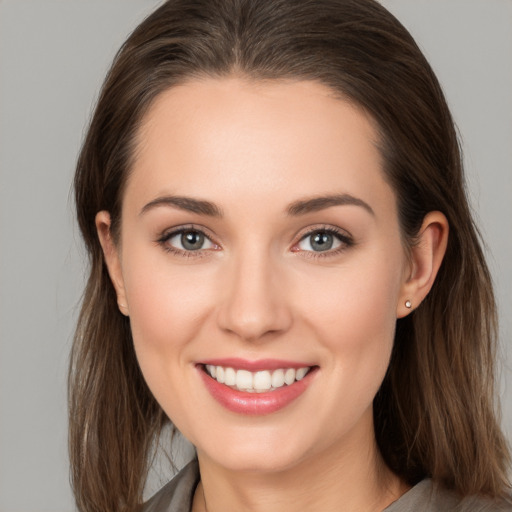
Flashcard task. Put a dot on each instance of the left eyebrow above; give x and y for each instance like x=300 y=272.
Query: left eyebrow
x=318 y=203
x=199 y=206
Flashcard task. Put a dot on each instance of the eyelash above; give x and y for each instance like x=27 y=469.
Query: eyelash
x=167 y=235
x=344 y=238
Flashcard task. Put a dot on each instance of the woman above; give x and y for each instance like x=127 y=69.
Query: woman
x=283 y=265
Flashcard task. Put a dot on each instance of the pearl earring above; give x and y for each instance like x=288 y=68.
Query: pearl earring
x=408 y=304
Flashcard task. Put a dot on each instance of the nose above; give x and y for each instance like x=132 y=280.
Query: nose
x=254 y=304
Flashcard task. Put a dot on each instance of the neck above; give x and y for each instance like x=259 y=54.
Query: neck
x=355 y=478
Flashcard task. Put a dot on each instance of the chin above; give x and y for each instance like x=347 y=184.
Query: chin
x=254 y=459
x=263 y=450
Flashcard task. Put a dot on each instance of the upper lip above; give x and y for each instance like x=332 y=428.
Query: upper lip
x=256 y=365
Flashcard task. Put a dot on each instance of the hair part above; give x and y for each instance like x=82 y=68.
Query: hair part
x=435 y=412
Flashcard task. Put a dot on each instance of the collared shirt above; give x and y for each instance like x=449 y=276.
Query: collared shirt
x=177 y=496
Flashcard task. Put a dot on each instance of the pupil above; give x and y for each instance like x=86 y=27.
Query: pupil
x=192 y=240
x=321 y=241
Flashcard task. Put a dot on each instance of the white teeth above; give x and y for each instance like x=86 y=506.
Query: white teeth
x=256 y=382
x=243 y=380
x=229 y=377
x=278 y=379
x=262 y=381
x=289 y=376
x=301 y=373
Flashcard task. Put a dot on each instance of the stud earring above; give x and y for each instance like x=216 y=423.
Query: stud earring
x=408 y=304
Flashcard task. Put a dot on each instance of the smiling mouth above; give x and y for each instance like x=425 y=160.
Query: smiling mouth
x=262 y=381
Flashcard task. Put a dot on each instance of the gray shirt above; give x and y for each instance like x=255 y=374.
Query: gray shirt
x=177 y=496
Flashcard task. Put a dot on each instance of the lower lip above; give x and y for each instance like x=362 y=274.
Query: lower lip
x=255 y=403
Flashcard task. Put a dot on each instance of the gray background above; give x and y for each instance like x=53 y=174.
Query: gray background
x=53 y=56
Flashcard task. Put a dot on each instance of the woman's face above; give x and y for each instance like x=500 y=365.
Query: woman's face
x=260 y=241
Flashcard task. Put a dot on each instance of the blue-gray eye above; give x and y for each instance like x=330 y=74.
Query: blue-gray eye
x=320 y=241
x=190 y=240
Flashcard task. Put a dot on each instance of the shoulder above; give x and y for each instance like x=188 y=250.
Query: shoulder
x=427 y=496
x=177 y=495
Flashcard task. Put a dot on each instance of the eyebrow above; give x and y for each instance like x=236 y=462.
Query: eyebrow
x=318 y=203
x=301 y=207
x=188 y=204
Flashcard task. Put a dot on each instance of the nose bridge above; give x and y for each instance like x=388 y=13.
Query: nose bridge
x=254 y=301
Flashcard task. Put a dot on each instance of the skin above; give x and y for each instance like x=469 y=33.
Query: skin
x=257 y=290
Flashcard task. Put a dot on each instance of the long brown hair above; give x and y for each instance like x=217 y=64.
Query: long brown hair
x=435 y=412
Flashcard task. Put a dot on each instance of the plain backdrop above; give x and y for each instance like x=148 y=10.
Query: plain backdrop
x=53 y=56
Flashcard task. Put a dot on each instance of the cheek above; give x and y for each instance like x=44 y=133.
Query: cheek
x=166 y=307
x=357 y=299
x=354 y=317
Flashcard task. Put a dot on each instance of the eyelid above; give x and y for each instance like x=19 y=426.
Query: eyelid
x=344 y=237
x=169 y=233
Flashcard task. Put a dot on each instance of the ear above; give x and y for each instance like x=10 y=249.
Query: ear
x=112 y=260
x=426 y=258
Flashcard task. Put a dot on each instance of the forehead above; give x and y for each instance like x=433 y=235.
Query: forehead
x=229 y=136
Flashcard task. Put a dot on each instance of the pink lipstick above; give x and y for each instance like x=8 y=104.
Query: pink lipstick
x=255 y=387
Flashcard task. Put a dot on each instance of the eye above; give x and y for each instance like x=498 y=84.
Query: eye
x=324 y=240
x=187 y=240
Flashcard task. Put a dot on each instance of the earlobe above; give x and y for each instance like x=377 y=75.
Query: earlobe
x=426 y=258
x=112 y=260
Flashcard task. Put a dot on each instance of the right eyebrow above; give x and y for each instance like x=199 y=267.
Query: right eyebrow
x=188 y=204
x=315 y=204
